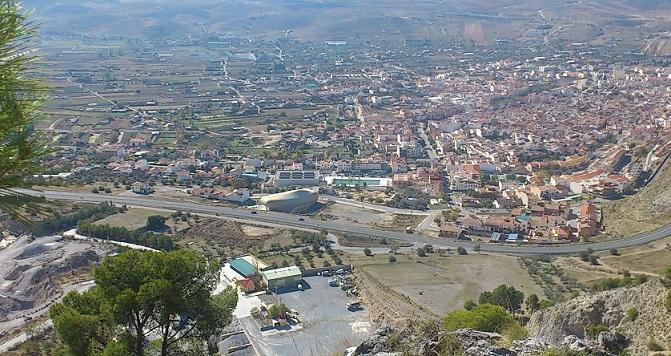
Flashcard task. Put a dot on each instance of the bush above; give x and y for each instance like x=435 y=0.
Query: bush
x=367 y=252
x=632 y=314
x=484 y=317
x=392 y=259
x=469 y=305
x=505 y=296
x=667 y=301
x=584 y=256
x=449 y=345
x=594 y=260
x=614 y=252
x=278 y=311
x=421 y=252
x=156 y=222
x=514 y=331
x=593 y=330
x=563 y=351
x=653 y=345
x=394 y=340
x=612 y=283
x=461 y=251
x=666 y=277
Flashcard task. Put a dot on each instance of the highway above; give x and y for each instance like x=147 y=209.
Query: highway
x=304 y=222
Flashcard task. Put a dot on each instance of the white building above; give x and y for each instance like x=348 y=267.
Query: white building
x=296 y=179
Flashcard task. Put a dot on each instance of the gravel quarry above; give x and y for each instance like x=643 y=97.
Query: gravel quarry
x=29 y=269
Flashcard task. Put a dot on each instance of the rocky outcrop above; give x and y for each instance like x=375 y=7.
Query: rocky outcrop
x=609 y=308
x=477 y=343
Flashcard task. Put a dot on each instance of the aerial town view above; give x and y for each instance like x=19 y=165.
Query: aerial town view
x=335 y=177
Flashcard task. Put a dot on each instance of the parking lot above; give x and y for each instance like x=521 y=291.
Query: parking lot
x=327 y=326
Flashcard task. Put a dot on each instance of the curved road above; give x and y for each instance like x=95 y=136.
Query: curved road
x=296 y=221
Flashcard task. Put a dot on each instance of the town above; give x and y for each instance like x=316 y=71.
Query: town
x=513 y=144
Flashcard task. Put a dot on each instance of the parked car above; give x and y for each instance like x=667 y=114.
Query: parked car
x=353 y=306
x=340 y=271
x=327 y=274
x=333 y=282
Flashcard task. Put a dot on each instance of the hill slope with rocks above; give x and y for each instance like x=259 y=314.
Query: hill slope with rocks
x=609 y=308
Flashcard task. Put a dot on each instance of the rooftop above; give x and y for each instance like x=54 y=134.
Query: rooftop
x=283 y=272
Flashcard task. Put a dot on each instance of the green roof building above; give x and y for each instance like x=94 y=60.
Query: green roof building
x=282 y=277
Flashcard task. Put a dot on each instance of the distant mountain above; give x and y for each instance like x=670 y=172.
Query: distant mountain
x=355 y=19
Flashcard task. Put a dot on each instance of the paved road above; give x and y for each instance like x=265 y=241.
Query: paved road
x=295 y=221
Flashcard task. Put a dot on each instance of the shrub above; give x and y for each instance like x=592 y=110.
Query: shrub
x=667 y=301
x=514 y=331
x=584 y=256
x=594 y=260
x=449 y=345
x=394 y=340
x=484 y=317
x=469 y=305
x=392 y=259
x=593 y=330
x=653 y=345
x=277 y=311
x=421 y=252
x=505 y=296
x=666 y=277
x=461 y=251
x=563 y=351
x=614 y=252
x=632 y=314
x=367 y=252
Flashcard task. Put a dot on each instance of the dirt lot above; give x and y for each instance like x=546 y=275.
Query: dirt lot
x=388 y=221
x=442 y=284
x=343 y=212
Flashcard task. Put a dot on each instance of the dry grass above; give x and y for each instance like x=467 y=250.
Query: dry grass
x=644 y=211
x=442 y=284
x=133 y=219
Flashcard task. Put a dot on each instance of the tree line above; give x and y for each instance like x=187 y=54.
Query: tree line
x=59 y=222
x=122 y=234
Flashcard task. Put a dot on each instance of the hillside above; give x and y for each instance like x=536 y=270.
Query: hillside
x=609 y=308
x=644 y=211
x=483 y=21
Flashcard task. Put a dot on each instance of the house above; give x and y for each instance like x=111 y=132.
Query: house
x=142 y=188
x=513 y=238
x=238 y=196
x=589 y=220
x=496 y=237
x=451 y=231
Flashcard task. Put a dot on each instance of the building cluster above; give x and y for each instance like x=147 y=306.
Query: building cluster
x=516 y=139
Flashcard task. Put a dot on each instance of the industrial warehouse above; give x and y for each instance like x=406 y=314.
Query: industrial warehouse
x=255 y=275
